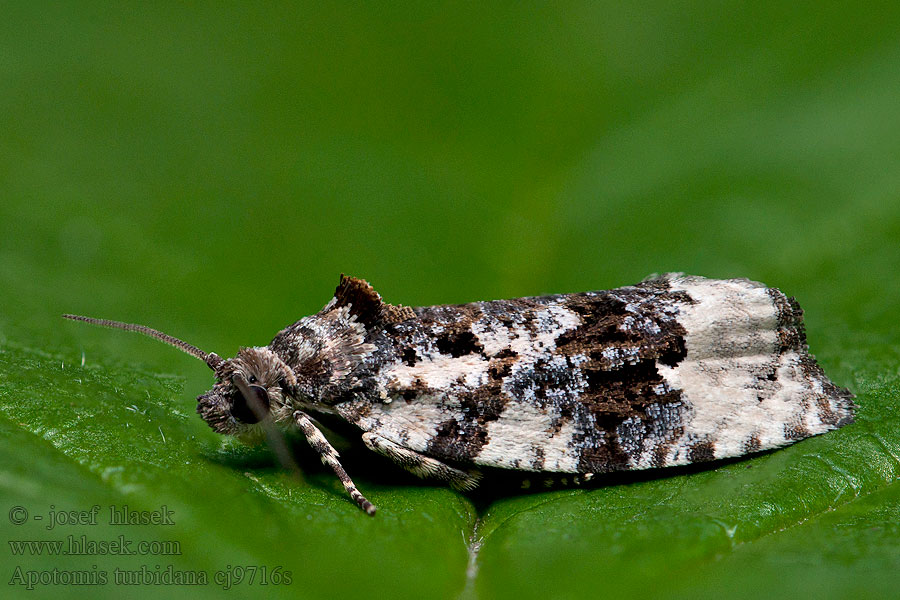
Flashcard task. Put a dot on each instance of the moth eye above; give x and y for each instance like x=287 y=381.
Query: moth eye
x=241 y=409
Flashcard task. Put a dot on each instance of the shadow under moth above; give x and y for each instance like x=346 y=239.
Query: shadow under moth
x=671 y=371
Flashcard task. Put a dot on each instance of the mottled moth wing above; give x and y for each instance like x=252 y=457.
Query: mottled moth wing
x=674 y=370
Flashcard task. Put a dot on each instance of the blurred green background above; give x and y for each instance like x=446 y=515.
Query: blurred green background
x=210 y=169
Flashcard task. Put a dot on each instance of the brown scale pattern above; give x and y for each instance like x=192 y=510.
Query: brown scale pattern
x=599 y=395
x=602 y=377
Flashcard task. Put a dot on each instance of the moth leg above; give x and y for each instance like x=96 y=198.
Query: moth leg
x=329 y=457
x=420 y=465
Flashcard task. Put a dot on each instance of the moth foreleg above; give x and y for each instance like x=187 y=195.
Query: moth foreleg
x=421 y=465
x=329 y=457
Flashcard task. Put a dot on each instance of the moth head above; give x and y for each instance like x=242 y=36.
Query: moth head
x=251 y=391
x=252 y=387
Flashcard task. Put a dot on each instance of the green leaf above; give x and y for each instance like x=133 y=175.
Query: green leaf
x=209 y=172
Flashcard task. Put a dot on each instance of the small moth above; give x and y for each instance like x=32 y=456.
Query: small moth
x=671 y=371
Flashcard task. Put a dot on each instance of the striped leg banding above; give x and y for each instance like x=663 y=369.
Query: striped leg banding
x=329 y=457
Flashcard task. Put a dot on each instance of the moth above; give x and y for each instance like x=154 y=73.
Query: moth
x=674 y=370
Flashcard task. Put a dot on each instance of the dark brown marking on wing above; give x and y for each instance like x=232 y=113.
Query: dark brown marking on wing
x=792 y=337
x=702 y=452
x=366 y=304
x=795 y=431
x=602 y=375
x=458 y=343
x=751 y=444
x=625 y=335
x=409 y=356
x=463 y=439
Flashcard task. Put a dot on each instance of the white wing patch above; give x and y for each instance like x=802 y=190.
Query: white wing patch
x=410 y=424
x=523 y=435
x=732 y=339
x=439 y=372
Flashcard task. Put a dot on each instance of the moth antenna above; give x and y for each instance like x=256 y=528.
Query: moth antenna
x=210 y=358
